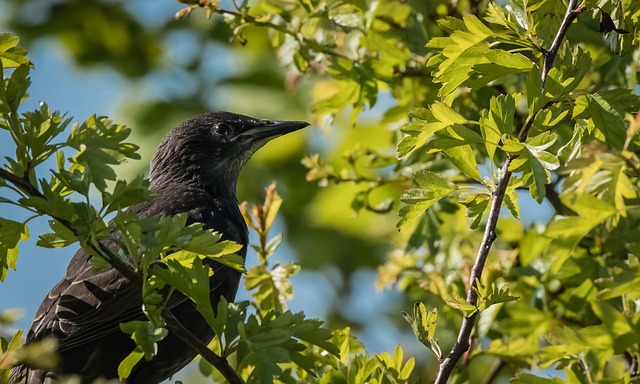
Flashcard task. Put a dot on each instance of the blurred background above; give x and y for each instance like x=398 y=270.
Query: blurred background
x=132 y=61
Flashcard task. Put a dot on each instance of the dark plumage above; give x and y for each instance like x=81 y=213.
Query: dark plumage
x=194 y=171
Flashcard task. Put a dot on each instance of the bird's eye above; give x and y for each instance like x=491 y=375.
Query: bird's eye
x=222 y=129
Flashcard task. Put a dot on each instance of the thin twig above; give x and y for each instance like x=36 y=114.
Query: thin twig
x=549 y=56
x=175 y=326
x=463 y=340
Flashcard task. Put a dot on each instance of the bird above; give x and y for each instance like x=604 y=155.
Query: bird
x=193 y=172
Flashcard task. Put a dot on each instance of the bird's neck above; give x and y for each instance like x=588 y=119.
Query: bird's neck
x=191 y=188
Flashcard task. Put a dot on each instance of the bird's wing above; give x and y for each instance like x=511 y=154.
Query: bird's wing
x=85 y=306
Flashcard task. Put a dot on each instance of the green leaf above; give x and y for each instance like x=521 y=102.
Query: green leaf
x=453 y=136
x=146 y=335
x=100 y=145
x=490 y=295
x=477 y=205
x=623 y=330
x=528 y=378
x=462 y=305
x=511 y=198
x=423 y=323
x=497 y=121
x=15 y=91
x=129 y=362
x=61 y=236
x=11 y=56
x=392 y=366
x=464 y=158
x=604 y=114
x=534 y=162
x=190 y=278
x=276 y=338
x=11 y=233
x=425 y=124
x=271 y=289
x=192 y=240
x=433 y=188
x=126 y=194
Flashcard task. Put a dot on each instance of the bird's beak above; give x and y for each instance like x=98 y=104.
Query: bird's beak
x=272 y=129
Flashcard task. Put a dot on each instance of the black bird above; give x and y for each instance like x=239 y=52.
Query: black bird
x=194 y=171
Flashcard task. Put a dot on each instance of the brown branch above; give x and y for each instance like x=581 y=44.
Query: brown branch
x=221 y=364
x=463 y=340
x=549 y=56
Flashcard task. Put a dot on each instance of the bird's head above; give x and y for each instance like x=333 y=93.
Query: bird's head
x=209 y=150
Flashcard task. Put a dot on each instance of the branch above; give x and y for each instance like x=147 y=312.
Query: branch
x=550 y=55
x=221 y=364
x=463 y=340
x=21 y=183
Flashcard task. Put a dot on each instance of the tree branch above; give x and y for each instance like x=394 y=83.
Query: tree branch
x=463 y=340
x=549 y=56
x=221 y=364
x=20 y=182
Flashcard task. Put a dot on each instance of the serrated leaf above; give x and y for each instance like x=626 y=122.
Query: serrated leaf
x=462 y=305
x=490 y=295
x=497 y=121
x=511 y=202
x=146 y=335
x=11 y=233
x=126 y=194
x=425 y=124
x=477 y=205
x=275 y=338
x=453 y=136
x=423 y=323
x=11 y=56
x=418 y=200
x=192 y=280
x=534 y=162
x=464 y=158
x=271 y=289
x=604 y=114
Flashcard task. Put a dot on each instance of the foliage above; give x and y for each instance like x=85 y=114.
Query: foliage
x=475 y=113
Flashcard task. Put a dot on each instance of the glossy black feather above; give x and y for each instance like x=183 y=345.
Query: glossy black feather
x=194 y=172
